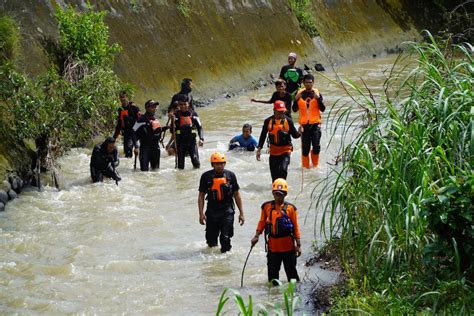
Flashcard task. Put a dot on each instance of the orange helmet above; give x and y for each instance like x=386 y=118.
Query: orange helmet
x=280 y=184
x=217 y=157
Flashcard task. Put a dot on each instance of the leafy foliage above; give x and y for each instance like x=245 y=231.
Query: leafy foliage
x=84 y=36
x=302 y=10
x=71 y=103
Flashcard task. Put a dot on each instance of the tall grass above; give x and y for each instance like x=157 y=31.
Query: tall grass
x=402 y=200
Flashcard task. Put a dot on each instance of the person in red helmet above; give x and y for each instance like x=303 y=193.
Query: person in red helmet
x=280 y=129
x=279 y=221
x=219 y=186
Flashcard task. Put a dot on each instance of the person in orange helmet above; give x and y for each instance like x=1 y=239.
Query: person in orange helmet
x=279 y=221
x=309 y=103
x=220 y=187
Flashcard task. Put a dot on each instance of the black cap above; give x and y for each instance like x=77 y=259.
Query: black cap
x=151 y=103
x=109 y=140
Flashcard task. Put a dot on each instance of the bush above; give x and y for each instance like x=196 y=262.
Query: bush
x=69 y=106
x=84 y=36
x=302 y=10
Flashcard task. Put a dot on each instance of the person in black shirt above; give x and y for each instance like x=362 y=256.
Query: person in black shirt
x=186 y=124
x=186 y=89
x=219 y=186
x=104 y=160
x=279 y=95
x=292 y=75
x=148 y=131
x=127 y=116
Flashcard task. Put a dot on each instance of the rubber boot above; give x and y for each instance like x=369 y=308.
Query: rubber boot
x=305 y=161
x=315 y=160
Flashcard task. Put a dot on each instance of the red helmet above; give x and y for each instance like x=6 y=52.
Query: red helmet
x=279 y=106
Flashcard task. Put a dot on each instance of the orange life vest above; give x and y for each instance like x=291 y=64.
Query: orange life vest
x=185 y=121
x=279 y=136
x=123 y=115
x=155 y=124
x=220 y=189
x=309 y=110
x=271 y=215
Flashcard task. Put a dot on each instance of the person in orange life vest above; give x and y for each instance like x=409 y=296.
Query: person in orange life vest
x=219 y=186
x=309 y=102
x=279 y=221
x=128 y=114
x=148 y=131
x=280 y=129
x=291 y=74
x=280 y=94
x=187 y=123
x=186 y=89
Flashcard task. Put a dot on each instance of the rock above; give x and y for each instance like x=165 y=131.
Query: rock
x=12 y=195
x=2 y=207
x=3 y=197
x=17 y=185
x=5 y=186
x=319 y=67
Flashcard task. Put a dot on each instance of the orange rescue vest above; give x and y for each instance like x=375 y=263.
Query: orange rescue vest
x=123 y=114
x=279 y=136
x=309 y=110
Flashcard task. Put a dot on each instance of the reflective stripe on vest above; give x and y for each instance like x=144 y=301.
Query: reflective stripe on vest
x=309 y=111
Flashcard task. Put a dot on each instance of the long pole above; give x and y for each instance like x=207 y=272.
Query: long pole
x=173 y=123
x=243 y=270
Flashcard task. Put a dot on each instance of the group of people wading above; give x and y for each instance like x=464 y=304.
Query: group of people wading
x=143 y=134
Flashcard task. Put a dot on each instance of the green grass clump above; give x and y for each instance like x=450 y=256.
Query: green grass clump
x=303 y=11
x=9 y=39
x=290 y=301
x=183 y=7
x=402 y=202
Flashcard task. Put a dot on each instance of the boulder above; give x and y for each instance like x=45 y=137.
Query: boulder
x=319 y=67
x=2 y=207
x=12 y=195
x=3 y=197
x=17 y=185
x=5 y=186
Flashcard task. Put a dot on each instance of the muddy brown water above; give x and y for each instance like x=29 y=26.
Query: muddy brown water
x=138 y=248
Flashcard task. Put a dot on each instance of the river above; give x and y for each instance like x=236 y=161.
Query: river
x=138 y=248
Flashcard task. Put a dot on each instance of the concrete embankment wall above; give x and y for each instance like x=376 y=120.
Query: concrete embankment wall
x=224 y=45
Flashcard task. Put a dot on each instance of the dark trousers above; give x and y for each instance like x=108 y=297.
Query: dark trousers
x=274 y=260
x=188 y=146
x=220 y=227
x=149 y=157
x=98 y=175
x=311 y=137
x=129 y=141
x=279 y=166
